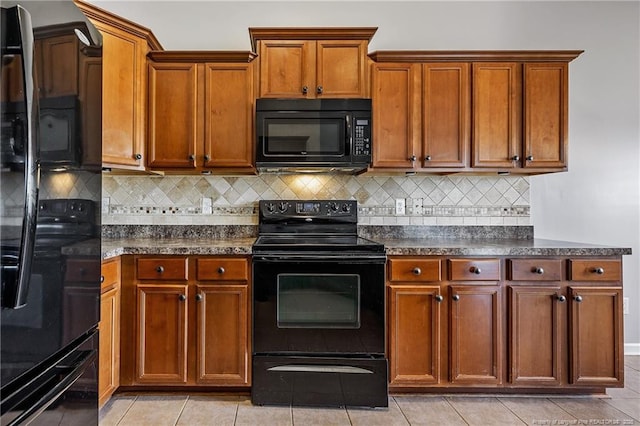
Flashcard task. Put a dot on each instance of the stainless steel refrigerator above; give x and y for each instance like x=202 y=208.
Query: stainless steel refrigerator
x=50 y=187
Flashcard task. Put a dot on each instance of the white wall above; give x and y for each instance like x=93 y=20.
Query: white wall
x=598 y=200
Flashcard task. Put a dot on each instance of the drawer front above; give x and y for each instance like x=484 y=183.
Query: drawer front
x=474 y=269
x=535 y=269
x=222 y=269
x=110 y=273
x=595 y=270
x=82 y=270
x=159 y=269
x=414 y=270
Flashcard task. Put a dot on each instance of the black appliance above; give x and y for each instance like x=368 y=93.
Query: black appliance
x=50 y=220
x=313 y=135
x=318 y=308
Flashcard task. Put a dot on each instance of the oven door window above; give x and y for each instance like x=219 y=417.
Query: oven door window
x=309 y=136
x=318 y=301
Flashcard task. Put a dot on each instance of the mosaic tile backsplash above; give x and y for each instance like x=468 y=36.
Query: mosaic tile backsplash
x=224 y=200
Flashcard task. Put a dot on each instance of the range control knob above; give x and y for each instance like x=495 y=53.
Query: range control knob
x=283 y=206
x=333 y=207
x=346 y=207
x=271 y=207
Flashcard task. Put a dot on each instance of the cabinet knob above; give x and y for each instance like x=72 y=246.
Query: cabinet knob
x=476 y=270
x=516 y=158
x=427 y=158
x=538 y=270
x=182 y=298
x=199 y=297
x=221 y=270
x=101 y=278
x=417 y=271
x=138 y=156
x=561 y=299
x=305 y=90
x=160 y=269
x=439 y=298
x=192 y=157
x=413 y=158
x=319 y=89
x=207 y=158
x=529 y=157
x=577 y=298
x=456 y=297
x=599 y=271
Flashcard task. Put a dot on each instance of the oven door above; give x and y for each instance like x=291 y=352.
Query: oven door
x=318 y=306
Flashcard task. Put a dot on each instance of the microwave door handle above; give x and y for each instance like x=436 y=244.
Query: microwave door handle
x=32 y=163
x=349 y=135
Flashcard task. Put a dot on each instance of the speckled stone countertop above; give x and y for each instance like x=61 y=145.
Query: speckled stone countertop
x=398 y=240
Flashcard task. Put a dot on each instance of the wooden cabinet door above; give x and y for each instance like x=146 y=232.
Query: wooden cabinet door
x=90 y=97
x=496 y=113
x=173 y=115
x=546 y=108
x=161 y=333
x=222 y=334
x=109 y=356
x=287 y=69
x=446 y=118
x=228 y=115
x=414 y=334
x=395 y=95
x=595 y=330
x=341 y=69
x=124 y=98
x=61 y=79
x=475 y=351
x=536 y=322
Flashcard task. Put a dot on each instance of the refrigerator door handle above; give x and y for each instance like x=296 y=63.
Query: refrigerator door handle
x=65 y=382
x=18 y=297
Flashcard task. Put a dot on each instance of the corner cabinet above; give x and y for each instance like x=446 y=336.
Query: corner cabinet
x=312 y=62
x=527 y=324
x=189 y=321
x=201 y=112
x=124 y=80
x=453 y=111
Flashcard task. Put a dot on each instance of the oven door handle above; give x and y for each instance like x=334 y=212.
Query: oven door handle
x=322 y=258
x=304 y=368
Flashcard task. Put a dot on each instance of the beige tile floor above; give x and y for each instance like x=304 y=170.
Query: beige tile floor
x=619 y=407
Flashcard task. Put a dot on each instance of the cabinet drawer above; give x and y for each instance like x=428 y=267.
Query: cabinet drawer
x=474 y=269
x=162 y=269
x=414 y=270
x=595 y=270
x=82 y=270
x=222 y=269
x=110 y=273
x=535 y=269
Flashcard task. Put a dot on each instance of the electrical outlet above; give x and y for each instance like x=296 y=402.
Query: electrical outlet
x=625 y=305
x=400 y=206
x=206 y=206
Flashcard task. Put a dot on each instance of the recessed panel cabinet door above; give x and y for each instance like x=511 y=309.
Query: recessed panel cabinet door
x=395 y=95
x=496 y=114
x=222 y=334
x=162 y=334
x=595 y=327
x=228 y=115
x=475 y=350
x=173 y=120
x=414 y=334
x=287 y=69
x=341 y=69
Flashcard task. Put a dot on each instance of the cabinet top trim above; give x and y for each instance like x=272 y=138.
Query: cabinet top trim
x=201 y=56
x=310 y=33
x=97 y=14
x=475 y=55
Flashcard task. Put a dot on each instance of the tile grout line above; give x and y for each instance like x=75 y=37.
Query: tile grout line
x=401 y=412
x=181 y=410
x=448 y=400
x=511 y=411
x=127 y=410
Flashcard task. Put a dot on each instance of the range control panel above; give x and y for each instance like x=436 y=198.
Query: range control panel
x=309 y=208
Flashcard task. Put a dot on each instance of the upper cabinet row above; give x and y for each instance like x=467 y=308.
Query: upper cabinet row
x=433 y=111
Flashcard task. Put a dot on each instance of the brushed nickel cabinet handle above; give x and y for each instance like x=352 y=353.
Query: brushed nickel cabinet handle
x=221 y=270
x=439 y=298
x=160 y=269
x=417 y=271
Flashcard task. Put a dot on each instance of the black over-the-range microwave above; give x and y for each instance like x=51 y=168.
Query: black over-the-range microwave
x=58 y=123
x=313 y=135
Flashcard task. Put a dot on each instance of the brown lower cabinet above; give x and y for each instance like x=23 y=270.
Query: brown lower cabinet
x=109 y=326
x=189 y=321
x=510 y=323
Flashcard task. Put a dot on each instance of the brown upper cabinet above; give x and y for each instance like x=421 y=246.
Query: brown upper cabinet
x=312 y=62
x=484 y=111
x=124 y=85
x=201 y=111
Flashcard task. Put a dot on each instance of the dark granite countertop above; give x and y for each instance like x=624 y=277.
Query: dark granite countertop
x=176 y=246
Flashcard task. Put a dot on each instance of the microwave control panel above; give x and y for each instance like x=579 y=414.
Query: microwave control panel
x=362 y=137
